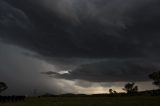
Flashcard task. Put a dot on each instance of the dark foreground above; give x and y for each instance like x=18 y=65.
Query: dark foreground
x=88 y=101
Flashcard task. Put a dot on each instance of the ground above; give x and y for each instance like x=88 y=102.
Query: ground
x=88 y=101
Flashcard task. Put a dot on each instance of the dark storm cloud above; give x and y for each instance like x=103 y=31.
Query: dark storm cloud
x=15 y=25
x=12 y=17
x=80 y=40
x=111 y=71
x=49 y=73
x=68 y=33
x=73 y=28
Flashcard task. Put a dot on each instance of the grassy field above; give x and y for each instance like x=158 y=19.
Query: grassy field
x=88 y=101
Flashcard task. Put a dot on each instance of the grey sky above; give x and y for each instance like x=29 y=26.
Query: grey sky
x=79 y=45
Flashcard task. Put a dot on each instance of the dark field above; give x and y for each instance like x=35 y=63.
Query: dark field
x=89 y=101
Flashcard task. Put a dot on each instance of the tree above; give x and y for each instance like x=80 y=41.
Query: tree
x=156 y=77
x=3 y=86
x=130 y=88
x=115 y=92
x=111 y=91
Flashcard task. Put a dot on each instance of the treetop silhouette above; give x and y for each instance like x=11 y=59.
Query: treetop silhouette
x=130 y=88
x=3 y=86
x=155 y=76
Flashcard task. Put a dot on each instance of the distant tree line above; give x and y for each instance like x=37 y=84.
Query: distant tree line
x=11 y=98
x=3 y=87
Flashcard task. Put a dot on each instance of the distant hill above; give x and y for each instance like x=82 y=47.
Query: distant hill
x=141 y=93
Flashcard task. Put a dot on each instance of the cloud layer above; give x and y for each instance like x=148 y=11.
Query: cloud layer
x=77 y=41
x=111 y=71
x=89 y=28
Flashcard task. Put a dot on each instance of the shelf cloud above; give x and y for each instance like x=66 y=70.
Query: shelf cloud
x=82 y=40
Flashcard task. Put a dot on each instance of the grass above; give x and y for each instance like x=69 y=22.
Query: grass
x=88 y=101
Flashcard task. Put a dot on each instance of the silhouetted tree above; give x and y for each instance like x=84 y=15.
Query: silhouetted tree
x=115 y=92
x=130 y=88
x=3 y=86
x=156 y=77
x=111 y=91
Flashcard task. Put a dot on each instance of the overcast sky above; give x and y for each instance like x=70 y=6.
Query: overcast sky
x=78 y=46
